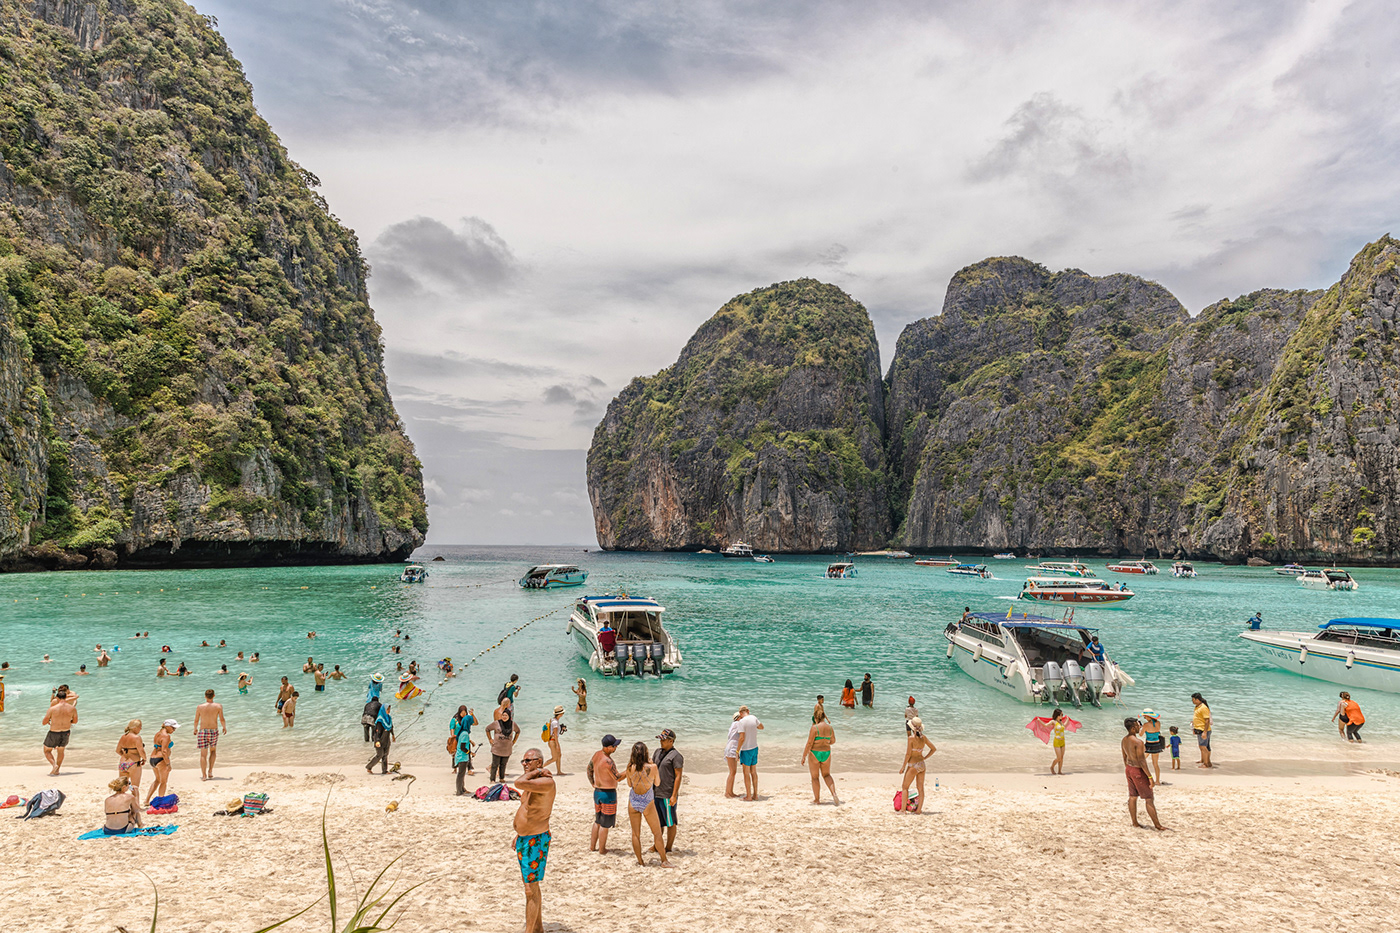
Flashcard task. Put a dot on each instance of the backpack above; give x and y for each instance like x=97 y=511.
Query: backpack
x=544 y=732
x=44 y=803
x=496 y=792
x=505 y=692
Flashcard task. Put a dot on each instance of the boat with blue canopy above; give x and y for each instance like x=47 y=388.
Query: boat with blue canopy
x=1355 y=652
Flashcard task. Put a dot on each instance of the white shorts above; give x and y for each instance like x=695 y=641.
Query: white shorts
x=731 y=750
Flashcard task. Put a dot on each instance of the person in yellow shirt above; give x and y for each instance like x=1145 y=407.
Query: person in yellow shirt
x=1200 y=724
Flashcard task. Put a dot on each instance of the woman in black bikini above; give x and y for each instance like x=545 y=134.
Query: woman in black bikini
x=123 y=813
x=160 y=758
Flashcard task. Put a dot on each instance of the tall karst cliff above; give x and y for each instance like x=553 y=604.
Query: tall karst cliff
x=768 y=429
x=1070 y=414
x=190 y=372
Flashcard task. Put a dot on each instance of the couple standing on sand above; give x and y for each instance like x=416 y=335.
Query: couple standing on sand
x=653 y=790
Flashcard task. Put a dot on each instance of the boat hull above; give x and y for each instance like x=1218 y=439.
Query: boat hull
x=585 y=639
x=554 y=581
x=988 y=670
x=1325 y=661
x=1074 y=596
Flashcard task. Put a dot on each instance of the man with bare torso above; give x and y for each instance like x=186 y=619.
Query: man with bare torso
x=532 y=836
x=1135 y=767
x=61 y=716
x=208 y=723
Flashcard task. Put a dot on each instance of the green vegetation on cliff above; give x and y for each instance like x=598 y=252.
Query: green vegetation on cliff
x=195 y=316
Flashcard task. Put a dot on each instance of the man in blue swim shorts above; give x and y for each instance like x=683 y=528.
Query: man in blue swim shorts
x=532 y=836
x=748 y=751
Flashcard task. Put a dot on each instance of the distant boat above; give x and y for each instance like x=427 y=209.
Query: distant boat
x=1066 y=590
x=1329 y=579
x=549 y=576
x=1183 y=568
x=1067 y=568
x=1291 y=570
x=414 y=573
x=1134 y=566
x=762 y=559
x=971 y=570
x=937 y=562
x=1004 y=555
x=739 y=549
x=892 y=555
x=840 y=571
x=1352 y=652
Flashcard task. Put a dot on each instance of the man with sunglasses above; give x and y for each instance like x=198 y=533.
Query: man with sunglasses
x=532 y=836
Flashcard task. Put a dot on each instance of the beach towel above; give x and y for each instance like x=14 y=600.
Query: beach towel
x=14 y=800
x=1040 y=725
x=253 y=804
x=408 y=691
x=143 y=831
x=44 y=803
x=164 y=804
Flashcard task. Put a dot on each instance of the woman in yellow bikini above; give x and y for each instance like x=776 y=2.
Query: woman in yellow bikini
x=816 y=755
x=1058 y=722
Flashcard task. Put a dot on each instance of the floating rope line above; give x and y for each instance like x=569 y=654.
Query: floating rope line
x=428 y=695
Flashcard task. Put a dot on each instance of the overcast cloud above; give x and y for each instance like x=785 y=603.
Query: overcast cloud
x=553 y=196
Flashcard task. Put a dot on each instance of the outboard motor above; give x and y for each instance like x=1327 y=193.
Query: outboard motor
x=620 y=655
x=658 y=651
x=640 y=653
x=1094 y=675
x=1054 y=678
x=1074 y=679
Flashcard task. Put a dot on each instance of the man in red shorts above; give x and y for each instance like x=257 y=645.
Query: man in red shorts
x=1135 y=767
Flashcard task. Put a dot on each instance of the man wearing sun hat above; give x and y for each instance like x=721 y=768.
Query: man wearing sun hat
x=554 y=729
x=670 y=765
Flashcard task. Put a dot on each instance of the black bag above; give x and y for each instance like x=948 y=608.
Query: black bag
x=503 y=694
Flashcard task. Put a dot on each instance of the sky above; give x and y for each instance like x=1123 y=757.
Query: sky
x=553 y=196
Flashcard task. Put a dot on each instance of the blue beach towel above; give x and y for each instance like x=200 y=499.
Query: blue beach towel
x=144 y=831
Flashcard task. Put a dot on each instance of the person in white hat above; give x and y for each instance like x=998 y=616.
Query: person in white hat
x=1153 y=743
x=556 y=728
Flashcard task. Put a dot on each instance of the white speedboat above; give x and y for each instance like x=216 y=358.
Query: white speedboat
x=1291 y=570
x=1183 y=569
x=414 y=573
x=619 y=635
x=762 y=559
x=1061 y=568
x=1134 y=566
x=1070 y=590
x=840 y=571
x=1035 y=659
x=1328 y=579
x=548 y=576
x=1352 y=652
x=937 y=562
x=739 y=549
x=1005 y=555
x=971 y=570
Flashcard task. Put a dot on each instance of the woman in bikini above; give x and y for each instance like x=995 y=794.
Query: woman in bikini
x=160 y=758
x=642 y=778
x=581 y=691
x=123 y=812
x=848 y=696
x=131 y=755
x=913 y=768
x=816 y=755
x=1058 y=723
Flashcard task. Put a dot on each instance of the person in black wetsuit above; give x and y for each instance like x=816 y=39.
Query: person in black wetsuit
x=867 y=692
x=370 y=714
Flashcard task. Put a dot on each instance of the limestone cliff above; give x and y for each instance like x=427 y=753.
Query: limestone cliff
x=190 y=372
x=768 y=429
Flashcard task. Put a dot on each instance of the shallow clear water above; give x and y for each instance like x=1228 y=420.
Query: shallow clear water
x=768 y=635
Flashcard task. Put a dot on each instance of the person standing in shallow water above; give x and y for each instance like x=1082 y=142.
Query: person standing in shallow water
x=532 y=836
x=867 y=692
x=1058 y=724
x=816 y=756
x=848 y=696
x=60 y=718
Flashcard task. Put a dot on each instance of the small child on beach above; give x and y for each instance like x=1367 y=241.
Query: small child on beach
x=1176 y=749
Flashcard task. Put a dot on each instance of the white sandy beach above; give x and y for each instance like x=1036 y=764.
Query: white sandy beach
x=993 y=852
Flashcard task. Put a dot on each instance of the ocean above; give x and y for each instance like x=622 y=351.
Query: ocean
x=771 y=636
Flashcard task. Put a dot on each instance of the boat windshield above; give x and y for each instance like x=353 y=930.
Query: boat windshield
x=1363 y=637
x=633 y=625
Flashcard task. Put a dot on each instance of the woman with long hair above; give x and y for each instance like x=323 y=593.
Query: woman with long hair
x=913 y=767
x=816 y=755
x=131 y=755
x=848 y=696
x=731 y=754
x=1058 y=724
x=581 y=691
x=461 y=728
x=160 y=758
x=642 y=777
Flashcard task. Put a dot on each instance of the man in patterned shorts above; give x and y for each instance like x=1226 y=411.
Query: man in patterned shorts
x=208 y=723
x=532 y=837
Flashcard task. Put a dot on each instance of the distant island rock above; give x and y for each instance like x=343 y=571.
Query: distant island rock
x=190 y=372
x=1056 y=413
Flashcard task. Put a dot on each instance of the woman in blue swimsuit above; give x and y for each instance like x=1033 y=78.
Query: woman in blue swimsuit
x=642 y=777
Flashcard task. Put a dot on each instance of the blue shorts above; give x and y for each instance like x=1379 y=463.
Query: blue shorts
x=665 y=812
x=532 y=852
x=748 y=757
x=1203 y=740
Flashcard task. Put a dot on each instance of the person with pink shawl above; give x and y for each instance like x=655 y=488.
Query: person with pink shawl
x=1052 y=732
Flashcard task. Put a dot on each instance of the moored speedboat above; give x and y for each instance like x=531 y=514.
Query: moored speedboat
x=762 y=559
x=548 y=576
x=738 y=549
x=1329 y=579
x=1134 y=566
x=414 y=573
x=1352 y=652
x=937 y=562
x=1291 y=570
x=1033 y=658
x=622 y=634
x=1064 y=568
x=1184 y=569
x=1067 y=590
x=971 y=570
x=840 y=571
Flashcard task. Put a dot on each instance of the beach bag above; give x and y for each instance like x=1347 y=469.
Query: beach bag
x=44 y=803
x=253 y=804
x=452 y=745
x=898 y=801
x=544 y=732
x=165 y=804
x=503 y=694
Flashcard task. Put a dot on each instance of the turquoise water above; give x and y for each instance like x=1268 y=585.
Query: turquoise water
x=768 y=635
